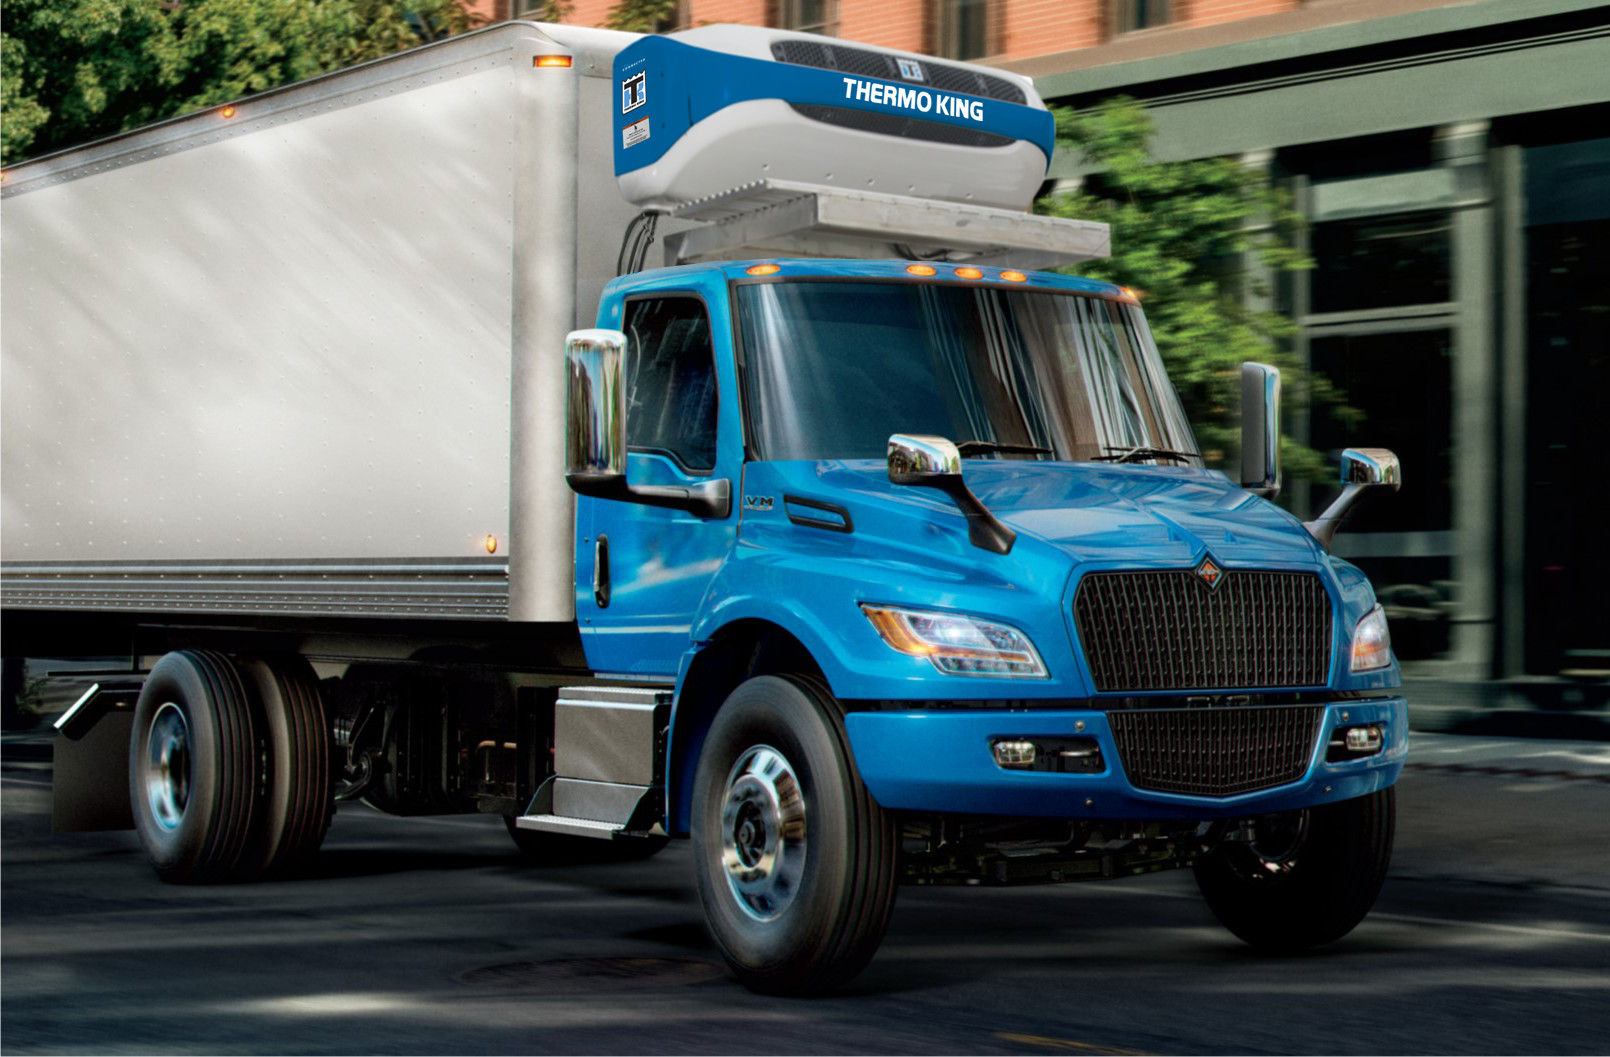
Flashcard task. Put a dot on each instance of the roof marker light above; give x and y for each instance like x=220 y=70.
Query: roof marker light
x=764 y=269
x=969 y=273
x=920 y=269
x=553 y=62
x=1014 y=277
x=227 y=112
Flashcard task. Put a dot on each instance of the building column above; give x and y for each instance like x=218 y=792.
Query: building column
x=1473 y=645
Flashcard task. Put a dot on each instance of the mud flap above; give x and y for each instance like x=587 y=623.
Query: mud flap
x=90 y=784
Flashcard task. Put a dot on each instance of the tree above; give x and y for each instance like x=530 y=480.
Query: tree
x=643 y=16
x=1183 y=235
x=77 y=70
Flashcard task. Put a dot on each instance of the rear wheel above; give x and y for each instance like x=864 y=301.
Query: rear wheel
x=1307 y=878
x=794 y=860
x=298 y=802
x=193 y=770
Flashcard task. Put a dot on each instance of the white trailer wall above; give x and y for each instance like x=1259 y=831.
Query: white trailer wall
x=278 y=363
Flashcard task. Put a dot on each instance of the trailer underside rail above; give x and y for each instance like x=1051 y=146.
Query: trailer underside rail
x=439 y=588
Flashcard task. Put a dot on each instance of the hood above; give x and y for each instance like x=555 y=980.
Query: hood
x=1160 y=515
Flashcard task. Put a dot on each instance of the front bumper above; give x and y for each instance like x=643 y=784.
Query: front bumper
x=941 y=761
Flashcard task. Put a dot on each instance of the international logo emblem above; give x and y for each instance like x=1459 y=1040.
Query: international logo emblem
x=1209 y=573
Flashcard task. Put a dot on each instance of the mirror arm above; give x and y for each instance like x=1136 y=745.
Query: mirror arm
x=1353 y=497
x=707 y=499
x=984 y=530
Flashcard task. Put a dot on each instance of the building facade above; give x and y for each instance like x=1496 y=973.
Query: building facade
x=1453 y=162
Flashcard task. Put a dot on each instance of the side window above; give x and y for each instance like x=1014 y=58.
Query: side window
x=671 y=380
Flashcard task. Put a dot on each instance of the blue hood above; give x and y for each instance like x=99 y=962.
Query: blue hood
x=1155 y=515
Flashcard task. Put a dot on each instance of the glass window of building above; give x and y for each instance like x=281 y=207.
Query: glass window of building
x=1567 y=566
x=807 y=16
x=1382 y=261
x=1129 y=15
x=963 y=28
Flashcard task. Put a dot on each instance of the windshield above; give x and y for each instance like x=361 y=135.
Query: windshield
x=832 y=368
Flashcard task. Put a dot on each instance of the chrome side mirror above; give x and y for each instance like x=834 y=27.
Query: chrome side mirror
x=1365 y=472
x=595 y=440
x=916 y=459
x=934 y=462
x=1260 y=429
x=595 y=407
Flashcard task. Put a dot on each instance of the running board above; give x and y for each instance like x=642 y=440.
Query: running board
x=602 y=810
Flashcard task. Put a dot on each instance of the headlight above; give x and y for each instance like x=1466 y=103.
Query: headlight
x=957 y=644
x=1372 y=643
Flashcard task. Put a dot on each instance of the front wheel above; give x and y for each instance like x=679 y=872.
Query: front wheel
x=794 y=860
x=1306 y=878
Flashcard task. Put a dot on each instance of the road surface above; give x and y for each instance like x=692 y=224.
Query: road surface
x=431 y=936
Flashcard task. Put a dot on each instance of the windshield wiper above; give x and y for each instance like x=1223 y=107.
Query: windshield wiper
x=1142 y=452
x=990 y=447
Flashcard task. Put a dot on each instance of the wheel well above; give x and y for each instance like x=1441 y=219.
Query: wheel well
x=738 y=652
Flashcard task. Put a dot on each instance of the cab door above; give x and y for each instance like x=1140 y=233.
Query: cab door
x=642 y=571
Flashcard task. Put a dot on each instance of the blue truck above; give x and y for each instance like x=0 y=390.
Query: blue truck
x=850 y=545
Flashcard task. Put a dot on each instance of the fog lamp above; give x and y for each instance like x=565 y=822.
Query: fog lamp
x=1017 y=755
x=1364 y=739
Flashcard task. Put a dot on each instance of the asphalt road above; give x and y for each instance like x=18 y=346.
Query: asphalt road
x=430 y=936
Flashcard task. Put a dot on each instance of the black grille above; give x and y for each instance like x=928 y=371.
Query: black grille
x=890 y=124
x=863 y=63
x=1215 y=751
x=1170 y=631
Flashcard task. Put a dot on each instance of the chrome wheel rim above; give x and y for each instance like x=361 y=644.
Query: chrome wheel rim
x=167 y=766
x=763 y=845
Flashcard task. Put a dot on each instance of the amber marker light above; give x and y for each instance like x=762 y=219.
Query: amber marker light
x=969 y=273
x=1131 y=293
x=491 y=544
x=551 y=62
x=920 y=269
x=764 y=269
x=227 y=112
x=1014 y=277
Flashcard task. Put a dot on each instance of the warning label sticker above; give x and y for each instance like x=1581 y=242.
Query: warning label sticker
x=632 y=135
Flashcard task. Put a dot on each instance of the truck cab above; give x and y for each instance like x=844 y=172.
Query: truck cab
x=959 y=512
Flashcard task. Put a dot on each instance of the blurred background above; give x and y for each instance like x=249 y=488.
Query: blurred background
x=1410 y=208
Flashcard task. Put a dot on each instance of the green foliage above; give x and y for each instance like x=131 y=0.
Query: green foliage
x=1192 y=239
x=551 y=11
x=643 y=16
x=76 y=70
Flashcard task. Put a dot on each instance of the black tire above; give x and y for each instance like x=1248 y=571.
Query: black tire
x=1309 y=879
x=794 y=861
x=297 y=802
x=560 y=849
x=193 y=773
